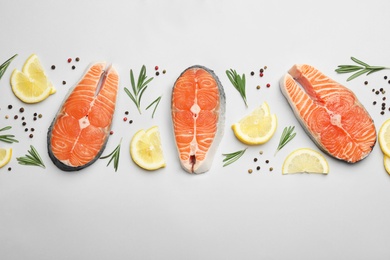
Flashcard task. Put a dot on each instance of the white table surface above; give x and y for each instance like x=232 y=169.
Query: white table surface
x=225 y=213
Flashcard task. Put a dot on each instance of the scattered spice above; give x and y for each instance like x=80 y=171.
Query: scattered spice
x=268 y=85
x=63 y=82
x=31 y=136
x=164 y=71
x=374 y=103
x=258 y=87
x=385 y=77
x=255 y=159
x=266 y=161
x=261 y=152
x=365 y=82
x=9 y=169
x=155 y=67
x=111 y=132
x=252 y=73
x=69 y=60
x=250 y=171
x=125 y=119
x=73 y=67
x=53 y=67
x=131 y=121
x=21 y=110
x=258 y=168
x=24 y=124
x=271 y=169
x=261 y=74
x=40 y=116
x=157 y=73
x=77 y=59
x=126 y=112
x=9 y=106
x=16 y=117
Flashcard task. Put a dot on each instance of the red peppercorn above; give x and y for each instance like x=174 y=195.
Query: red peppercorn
x=111 y=132
x=156 y=67
x=69 y=60
x=261 y=74
x=268 y=85
x=125 y=119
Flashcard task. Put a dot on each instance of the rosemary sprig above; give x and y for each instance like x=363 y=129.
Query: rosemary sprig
x=7 y=138
x=156 y=101
x=286 y=137
x=114 y=156
x=32 y=158
x=238 y=82
x=232 y=157
x=358 y=70
x=139 y=88
x=4 y=66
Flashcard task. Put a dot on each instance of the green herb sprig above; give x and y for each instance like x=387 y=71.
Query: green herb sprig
x=32 y=158
x=7 y=138
x=4 y=66
x=139 y=88
x=238 y=82
x=156 y=101
x=232 y=157
x=358 y=70
x=287 y=135
x=114 y=156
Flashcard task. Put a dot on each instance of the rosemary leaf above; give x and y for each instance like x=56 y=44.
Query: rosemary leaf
x=32 y=158
x=139 y=87
x=4 y=66
x=232 y=157
x=358 y=70
x=287 y=135
x=114 y=156
x=238 y=83
x=156 y=101
x=7 y=138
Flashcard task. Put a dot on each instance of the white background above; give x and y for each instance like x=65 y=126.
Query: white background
x=225 y=213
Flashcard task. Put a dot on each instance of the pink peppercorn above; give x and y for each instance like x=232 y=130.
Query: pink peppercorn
x=125 y=119
x=156 y=67
x=268 y=85
x=69 y=60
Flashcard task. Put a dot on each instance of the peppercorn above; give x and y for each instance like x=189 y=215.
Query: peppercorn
x=69 y=60
x=255 y=159
x=77 y=59
x=24 y=123
x=164 y=71
x=53 y=67
x=374 y=103
x=31 y=136
x=63 y=82
x=365 y=82
x=32 y=129
x=271 y=169
x=21 y=110
x=111 y=132
x=155 y=67
x=258 y=87
x=250 y=171
x=16 y=117
x=125 y=119
x=9 y=169
x=40 y=116
x=9 y=106
x=26 y=129
x=258 y=168
x=131 y=121
x=261 y=152
x=73 y=67
x=261 y=70
x=35 y=114
x=266 y=161
x=385 y=77
x=268 y=85
x=126 y=112
x=157 y=73
x=382 y=112
x=252 y=73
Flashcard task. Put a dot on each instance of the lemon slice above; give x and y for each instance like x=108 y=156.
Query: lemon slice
x=146 y=149
x=386 y=163
x=256 y=128
x=384 y=137
x=5 y=156
x=305 y=160
x=31 y=85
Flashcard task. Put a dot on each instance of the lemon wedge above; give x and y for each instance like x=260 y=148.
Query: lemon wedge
x=5 y=156
x=31 y=85
x=384 y=137
x=305 y=160
x=146 y=149
x=256 y=128
x=386 y=163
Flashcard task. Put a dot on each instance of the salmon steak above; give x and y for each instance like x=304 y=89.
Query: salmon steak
x=198 y=117
x=330 y=113
x=80 y=130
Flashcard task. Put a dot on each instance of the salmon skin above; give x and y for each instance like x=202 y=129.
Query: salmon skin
x=198 y=117
x=330 y=113
x=80 y=130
